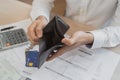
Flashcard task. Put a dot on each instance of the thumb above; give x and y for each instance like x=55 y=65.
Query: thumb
x=39 y=32
x=68 y=41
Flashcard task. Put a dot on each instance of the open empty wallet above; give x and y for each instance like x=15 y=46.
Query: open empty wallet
x=53 y=33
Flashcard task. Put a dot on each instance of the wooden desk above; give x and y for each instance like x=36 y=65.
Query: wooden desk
x=13 y=11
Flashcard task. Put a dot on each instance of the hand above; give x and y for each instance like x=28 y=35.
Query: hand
x=35 y=29
x=77 y=39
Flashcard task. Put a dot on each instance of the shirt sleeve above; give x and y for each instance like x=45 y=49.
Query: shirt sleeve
x=109 y=36
x=41 y=7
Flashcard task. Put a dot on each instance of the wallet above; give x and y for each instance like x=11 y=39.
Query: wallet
x=53 y=33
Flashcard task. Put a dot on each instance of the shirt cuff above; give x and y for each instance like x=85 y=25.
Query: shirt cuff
x=35 y=15
x=99 y=39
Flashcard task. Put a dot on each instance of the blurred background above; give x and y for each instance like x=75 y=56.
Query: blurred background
x=59 y=6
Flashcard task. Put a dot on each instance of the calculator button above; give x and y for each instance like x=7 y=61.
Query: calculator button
x=8 y=44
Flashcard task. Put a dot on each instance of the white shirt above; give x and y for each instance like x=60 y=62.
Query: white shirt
x=98 y=13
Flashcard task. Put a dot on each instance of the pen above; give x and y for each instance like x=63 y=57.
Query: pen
x=7 y=28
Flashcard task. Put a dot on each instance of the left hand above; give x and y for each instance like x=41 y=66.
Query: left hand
x=77 y=39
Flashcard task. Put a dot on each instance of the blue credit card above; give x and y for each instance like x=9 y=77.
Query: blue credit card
x=32 y=59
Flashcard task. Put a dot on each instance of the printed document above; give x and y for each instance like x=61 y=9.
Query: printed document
x=8 y=72
x=80 y=64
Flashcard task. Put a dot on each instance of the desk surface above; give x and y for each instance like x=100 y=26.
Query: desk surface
x=13 y=11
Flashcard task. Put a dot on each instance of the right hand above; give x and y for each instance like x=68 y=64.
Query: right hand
x=78 y=38
x=35 y=29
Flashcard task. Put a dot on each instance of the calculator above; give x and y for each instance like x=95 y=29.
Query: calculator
x=12 y=38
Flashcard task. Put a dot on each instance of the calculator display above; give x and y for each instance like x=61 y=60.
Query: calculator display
x=12 y=38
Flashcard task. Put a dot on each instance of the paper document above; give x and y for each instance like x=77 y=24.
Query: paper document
x=80 y=64
x=8 y=72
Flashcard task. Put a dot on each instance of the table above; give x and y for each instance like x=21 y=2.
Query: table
x=13 y=11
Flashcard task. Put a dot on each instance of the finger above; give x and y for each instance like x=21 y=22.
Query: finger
x=32 y=42
x=67 y=41
x=31 y=31
x=41 y=23
x=74 y=39
x=38 y=31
